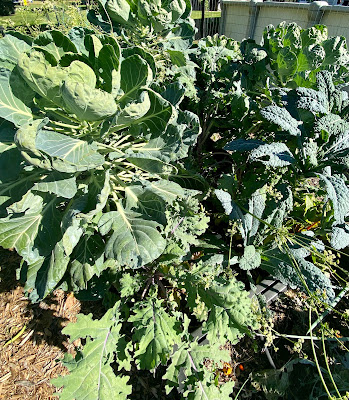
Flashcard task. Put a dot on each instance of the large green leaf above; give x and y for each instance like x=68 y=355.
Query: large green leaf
x=132 y=111
x=44 y=274
x=13 y=191
x=98 y=192
x=135 y=241
x=55 y=42
x=88 y=260
x=20 y=228
x=155 y=331
x=59 y=184
x=167 y=190
x=12 y=108
x=41 y=76
x=11 y=47
x=154 y=122
x=91 y=375
x=47 y=80
x=88 y=103
x=231 y=310
x=119 y=11
x=338 y=193
x=135 y=75
x=281 y=117
x=142 y=200
x=297 y=272
x=108 y=63
x=69 y=154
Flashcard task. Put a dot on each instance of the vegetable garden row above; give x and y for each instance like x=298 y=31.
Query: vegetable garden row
x=167 y=177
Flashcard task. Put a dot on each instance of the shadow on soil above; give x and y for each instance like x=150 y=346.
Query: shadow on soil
x=48 y=317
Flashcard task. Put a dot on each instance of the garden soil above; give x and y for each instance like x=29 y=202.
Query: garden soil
x=31 y=342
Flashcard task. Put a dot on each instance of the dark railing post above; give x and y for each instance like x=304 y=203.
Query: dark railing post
x=202 y=22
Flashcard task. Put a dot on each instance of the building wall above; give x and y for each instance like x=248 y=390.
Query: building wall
x=237 y=20
x=272 y=13
x=243 y=18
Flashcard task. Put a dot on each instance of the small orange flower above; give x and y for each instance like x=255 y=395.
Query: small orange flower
x=241 y=367
x=227 y=369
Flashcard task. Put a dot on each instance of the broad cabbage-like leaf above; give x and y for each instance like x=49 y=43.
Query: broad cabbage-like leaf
x=135 y=241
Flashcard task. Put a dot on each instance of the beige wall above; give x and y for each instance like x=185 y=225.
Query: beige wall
x=273 y=14
x=237 y=20
x=243 y=18
x=337 y=21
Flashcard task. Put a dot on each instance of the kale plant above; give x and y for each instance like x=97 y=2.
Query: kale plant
x=303 y=152
x=233 y=80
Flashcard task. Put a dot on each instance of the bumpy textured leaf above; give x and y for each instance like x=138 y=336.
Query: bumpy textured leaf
x=243 y=145
x=312 y=100
x=155 y=331
x=256 y=207
x=229 y=206
x=338 y=193
x=134 y=241
x=274 y=154
x=251 y=258
x=91 y=375
x=281 y=117
x=340 y=236
x=294 y=271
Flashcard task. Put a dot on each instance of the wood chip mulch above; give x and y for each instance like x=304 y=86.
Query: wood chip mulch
x=31 y=342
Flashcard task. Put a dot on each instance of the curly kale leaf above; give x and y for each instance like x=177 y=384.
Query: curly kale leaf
x=91 y=375
x=187 y=368
x=187 y=221
x=224 y=305
x=155 y=332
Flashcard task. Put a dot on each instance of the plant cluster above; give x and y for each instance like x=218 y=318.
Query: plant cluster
x=142 y=169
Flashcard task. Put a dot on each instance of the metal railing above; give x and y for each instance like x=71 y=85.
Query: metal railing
x=207 y=17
